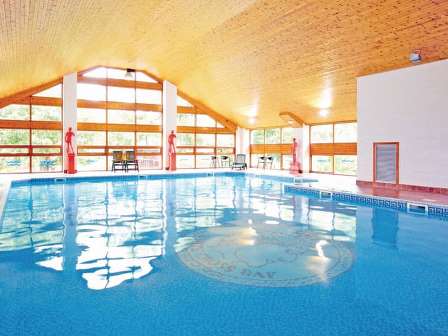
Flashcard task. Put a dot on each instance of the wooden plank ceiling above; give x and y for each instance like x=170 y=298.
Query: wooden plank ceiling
x=241 y=58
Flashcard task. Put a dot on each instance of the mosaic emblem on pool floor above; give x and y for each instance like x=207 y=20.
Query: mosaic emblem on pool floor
x=285 y=257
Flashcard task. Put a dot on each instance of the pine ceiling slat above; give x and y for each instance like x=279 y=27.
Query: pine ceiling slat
x=240 y=58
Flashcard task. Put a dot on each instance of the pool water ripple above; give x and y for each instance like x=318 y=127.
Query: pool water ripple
x=225 y=255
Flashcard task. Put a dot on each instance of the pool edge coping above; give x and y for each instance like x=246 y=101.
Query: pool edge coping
x=400 y=204
x=289 y=185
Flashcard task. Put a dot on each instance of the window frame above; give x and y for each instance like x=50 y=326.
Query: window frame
x=331 y=148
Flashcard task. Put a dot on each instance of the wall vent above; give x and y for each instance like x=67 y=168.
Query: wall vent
x=386 y=162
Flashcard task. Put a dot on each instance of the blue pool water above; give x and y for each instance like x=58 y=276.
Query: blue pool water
x=228 y=255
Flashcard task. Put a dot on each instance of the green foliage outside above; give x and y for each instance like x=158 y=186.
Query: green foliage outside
x=185 y=119
x=15 y=112
x=272 y=135
x=185 y=139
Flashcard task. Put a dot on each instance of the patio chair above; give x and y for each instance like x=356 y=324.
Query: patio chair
x=118 y=163
x=269 y=162
x=240 y=162
x=131 y=161
x=214 y=163
x=225 y=161
x=261 y=161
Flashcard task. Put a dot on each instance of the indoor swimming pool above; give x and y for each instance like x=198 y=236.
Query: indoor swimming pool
x=214 y=255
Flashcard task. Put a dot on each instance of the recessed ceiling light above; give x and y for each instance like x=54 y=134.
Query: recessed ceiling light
x=252 y=120
x=324 y=113
x=415 y=56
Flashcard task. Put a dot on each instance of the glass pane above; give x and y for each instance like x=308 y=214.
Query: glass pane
x=257 y=137
x=120 y=117
x=95 y=150
x=96 y=73
x=218 y=125
x=287 y=135
x=43 y=164
x=254 y=158
x=91 y=138
x=119 y=74
x=322 y=134
x=185 y=139
x=146 y=151
x=85 y=163
x=149 y=96
x=275 y=161
x=121 y=94
x=91 y=115
x=14 y=136
x=204 y=120
x=206 y=150
x=15 y=112
x=203 y=161
x=322 y=163
x=287 y=160
x=91 y=92
x=121 y=139
x=46 y=113
x=142 y=77
x=150 y=162
x=224 y=151
x=46 y=137
x=14 y=150
x=149 y=139
x=53 y=92
x=17 y=164
x=185 y=119
x=149 y=118
x=345 y=164
x=183 y=102
x=273 y=135
x=345 y=132
x=205 y=140
x=185 y=161
x=225 y=140
x=55 y=150
x=185 y=150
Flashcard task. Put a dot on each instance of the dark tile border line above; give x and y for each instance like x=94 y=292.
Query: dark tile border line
x=377 y=201
x=162 y=176
x=391 y=203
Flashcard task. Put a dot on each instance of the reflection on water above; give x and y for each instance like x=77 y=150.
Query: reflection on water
x=385 y=227
x=111 y=232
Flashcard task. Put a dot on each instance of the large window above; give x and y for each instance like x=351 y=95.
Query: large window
x=114 y=115
x=31 y=133
x=274 y=143
x=345 y=132
x=202 y=142
x=322 y=134
x=333 y=148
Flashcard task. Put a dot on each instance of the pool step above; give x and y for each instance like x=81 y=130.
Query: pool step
x=60 y=180
x=417 y=208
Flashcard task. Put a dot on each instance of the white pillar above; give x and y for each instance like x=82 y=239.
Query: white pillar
x=169 y=116
x=69 y=115
x=242 y=141
x=305 y=149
